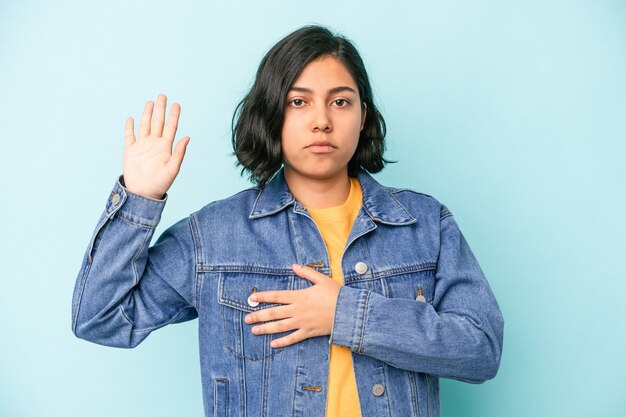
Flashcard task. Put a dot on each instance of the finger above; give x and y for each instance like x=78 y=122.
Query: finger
x=144 y=123
x=290 y=339
x=129 y=132
x=278 y=296
x=172 y=123
x=279 y=326
x=156 y=128
x=268 y=314
x=309 y=273
x=176 y=159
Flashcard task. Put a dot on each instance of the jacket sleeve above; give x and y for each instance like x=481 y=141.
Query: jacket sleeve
x=126 y=289
x=459 y=336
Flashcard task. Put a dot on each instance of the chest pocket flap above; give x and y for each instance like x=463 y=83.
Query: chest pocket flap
x=234 y=288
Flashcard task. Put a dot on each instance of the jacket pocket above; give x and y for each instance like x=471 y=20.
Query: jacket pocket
x=234 y=288
x=419 y=285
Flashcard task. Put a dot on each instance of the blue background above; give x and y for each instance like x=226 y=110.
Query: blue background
x=513 y=114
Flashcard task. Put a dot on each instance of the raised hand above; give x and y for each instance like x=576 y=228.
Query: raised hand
x=150 y=166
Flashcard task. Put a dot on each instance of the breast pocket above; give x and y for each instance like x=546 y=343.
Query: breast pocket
x=419 y=285
x=234 y=288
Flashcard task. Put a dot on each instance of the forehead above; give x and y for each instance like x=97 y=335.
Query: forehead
x=325 y=72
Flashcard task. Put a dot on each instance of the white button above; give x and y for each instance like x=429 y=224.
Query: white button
x=378 y=389
x=360 y=268
x=421 y=298
x=252 y=303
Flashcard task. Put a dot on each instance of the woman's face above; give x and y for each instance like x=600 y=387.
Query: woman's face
x=322 y=121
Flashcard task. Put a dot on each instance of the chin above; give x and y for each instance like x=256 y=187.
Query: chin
x=318 y=172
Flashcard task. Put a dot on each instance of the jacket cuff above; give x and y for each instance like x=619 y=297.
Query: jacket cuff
x=350 y=315
x=132 y=207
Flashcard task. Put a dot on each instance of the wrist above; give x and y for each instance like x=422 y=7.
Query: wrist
x=141 y=193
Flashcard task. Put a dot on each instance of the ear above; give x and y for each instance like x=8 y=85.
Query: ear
x=363 y=115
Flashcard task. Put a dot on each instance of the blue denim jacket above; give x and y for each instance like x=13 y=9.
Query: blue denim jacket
x=415 y=305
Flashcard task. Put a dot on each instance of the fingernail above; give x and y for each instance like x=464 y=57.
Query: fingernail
x=253 y=297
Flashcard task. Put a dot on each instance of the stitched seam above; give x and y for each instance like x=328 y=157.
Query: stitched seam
x=124 y=315
x=444 y=212
x=430 y=266
x=295 y=242
x=241 y=306
x=80 y=296
x=135 y=275
x=387 y=384
x=399 y=190
x=196 y=250
x=133 y=262
x=127 y=220
x=295 y=380
x=413 y=385
x=428 y=394
x=266 y=372
x=243 y=397
x=244 y=268
x=402 y=205
x=360 y=344
x=256 y=201
x=92 y=242
x=395 y=223
x=445 y=215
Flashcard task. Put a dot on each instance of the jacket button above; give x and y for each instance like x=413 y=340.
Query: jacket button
x=252 y=303
x=115 y=199
x=378 y=389
x=360 y=268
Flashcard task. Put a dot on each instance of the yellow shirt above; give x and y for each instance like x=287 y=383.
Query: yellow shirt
x=335 y=224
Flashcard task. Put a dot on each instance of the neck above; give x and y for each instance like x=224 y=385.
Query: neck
x=316 y=193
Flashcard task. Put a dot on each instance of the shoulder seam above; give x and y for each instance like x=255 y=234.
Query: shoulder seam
x=444 y=213
x=398 y=190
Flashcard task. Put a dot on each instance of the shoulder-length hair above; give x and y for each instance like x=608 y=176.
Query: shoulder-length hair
x=258 y=118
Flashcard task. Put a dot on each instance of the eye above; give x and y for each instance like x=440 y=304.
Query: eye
x=297 y=102
x=341 y=102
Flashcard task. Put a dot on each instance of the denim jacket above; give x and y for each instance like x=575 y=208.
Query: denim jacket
x=415 y=305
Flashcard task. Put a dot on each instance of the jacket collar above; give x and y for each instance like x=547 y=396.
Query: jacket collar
x=378 y=201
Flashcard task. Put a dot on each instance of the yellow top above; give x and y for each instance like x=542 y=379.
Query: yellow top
x=335 y=224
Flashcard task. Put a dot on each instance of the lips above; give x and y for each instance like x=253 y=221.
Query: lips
x=320 y=143
x=321 y=147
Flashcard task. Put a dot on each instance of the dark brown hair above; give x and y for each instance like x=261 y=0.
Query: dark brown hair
x=258 y=118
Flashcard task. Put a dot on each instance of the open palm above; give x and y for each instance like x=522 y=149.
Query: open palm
x=150 y=166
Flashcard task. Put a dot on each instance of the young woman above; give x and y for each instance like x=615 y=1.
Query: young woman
x=319 y=292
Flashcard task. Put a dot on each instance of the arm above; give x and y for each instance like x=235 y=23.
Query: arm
x=459 y=336
x=125 y=289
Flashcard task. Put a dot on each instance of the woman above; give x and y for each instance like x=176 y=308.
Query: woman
x=318 y=291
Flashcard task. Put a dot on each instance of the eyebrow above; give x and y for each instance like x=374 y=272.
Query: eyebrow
x=329 y=92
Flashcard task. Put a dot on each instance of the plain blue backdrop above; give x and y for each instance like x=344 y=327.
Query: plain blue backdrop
x=513 y=114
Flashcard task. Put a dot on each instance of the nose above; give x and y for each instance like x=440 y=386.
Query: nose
x=321 y=120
